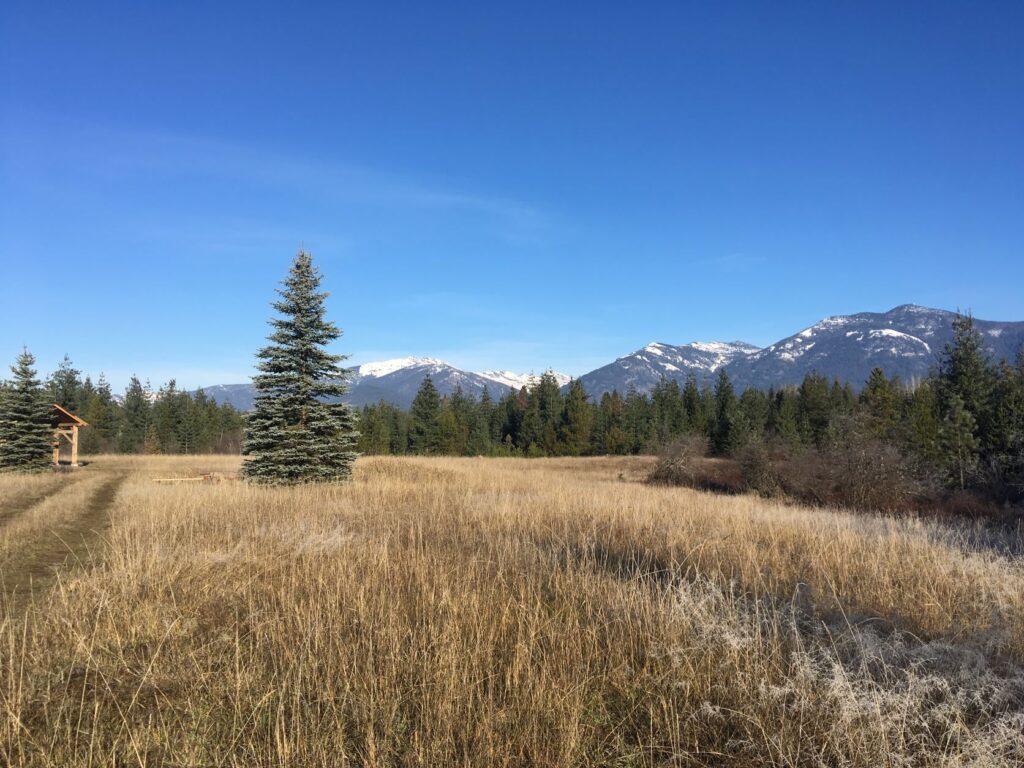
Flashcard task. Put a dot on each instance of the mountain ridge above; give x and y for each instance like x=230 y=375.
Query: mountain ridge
x=396 y=381
x=905 y=341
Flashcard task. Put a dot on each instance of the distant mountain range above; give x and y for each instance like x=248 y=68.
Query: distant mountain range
x=397 y=381
x=644 y=368
x=905 y=341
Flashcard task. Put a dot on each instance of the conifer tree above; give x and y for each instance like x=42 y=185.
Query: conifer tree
x=784 y=422
x=611 y=438
x=134 y=417
x=924 y=427
x=101 y=414
x=636 y=420
x=754 y=410
x=548 y=402
x=480 y=428
x=455 y=428
x=85 y=394
x=424 y=435
x=375 y=429
x=166 y=417
x=299 y=431
x=151 y=444
x=696 y=419
x=65 y=384
x=667 y=410
x=724 y=436
x=578 y=421
x=814 y=409
x=882 y=399
x=965 y=372
x=959 y=441
x=26 y=436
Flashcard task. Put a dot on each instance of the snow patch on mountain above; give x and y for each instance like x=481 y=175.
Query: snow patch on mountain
x=894 y=334
x=520 y=380
x=386 y=367
x=645 y=367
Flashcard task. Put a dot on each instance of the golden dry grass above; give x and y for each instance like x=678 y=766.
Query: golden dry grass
x=505 y=612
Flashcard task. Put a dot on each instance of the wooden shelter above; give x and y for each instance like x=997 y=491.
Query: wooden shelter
x=65 y=428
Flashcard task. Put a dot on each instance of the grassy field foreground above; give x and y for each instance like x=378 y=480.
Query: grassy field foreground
x=492 y=612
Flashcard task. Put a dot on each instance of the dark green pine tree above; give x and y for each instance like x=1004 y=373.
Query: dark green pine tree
x=578 y=421
x=425 y=431
x=26 y=436
x=135 y=413
x=299 y=431
x=814 y=409
x=881 y=400
x=724 y=436
x=695 y=415
x=66 y=384
x=959 y=442
x=480 y=426
x=965 y=371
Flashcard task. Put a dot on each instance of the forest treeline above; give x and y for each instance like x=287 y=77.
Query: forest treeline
x=168 y=420
x=962 y=428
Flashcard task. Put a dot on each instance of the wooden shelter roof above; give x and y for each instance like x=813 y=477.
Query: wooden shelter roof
x=64 y=417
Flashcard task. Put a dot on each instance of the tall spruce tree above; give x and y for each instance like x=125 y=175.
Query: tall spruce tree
x=425 y=431
x=724 y=437
x=299 y=431
x=135 y=413
x=101 y=413
x=965 y=372
x=26 y=437
x=578 y=421
x=66 y=384
x=959 y=442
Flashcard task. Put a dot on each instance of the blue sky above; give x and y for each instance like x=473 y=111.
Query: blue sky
x=520 y=186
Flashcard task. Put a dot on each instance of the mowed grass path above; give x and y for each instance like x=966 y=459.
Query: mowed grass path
x=498 y=612
x=48 y=524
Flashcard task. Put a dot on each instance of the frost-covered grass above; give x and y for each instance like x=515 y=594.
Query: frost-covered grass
x=513 y=612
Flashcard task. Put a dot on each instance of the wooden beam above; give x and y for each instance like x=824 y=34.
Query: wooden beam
x=74 y=446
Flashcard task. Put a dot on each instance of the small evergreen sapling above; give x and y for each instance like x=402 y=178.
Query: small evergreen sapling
x=26 y=437
x=299 y=431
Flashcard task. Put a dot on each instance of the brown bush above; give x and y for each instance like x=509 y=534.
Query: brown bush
x=678 y=463
x=719 y=474
x=758 y=465
x=866 y=473
x=856 y=471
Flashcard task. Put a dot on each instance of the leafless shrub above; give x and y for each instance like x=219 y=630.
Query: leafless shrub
x=866 y=473
x=678 y=464
x=759 y=465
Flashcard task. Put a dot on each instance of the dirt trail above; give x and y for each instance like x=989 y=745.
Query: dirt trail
x=76 y=541
x=24 y=503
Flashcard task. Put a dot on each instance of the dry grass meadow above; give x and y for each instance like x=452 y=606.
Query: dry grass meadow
x=488 y=612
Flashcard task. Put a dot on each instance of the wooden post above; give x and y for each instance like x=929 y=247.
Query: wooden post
x=74 y=446
x=56 y=451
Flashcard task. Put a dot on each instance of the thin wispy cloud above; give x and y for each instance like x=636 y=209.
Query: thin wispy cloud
x=117 y=155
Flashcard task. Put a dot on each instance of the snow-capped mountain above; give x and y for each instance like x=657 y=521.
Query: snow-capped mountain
x=520 y=380
x=644 y=368
x=397 y=381
x=905 y=341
